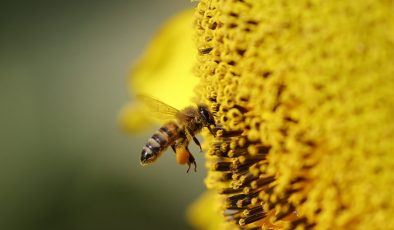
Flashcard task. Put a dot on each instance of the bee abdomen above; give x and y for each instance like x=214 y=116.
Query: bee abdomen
x=150 y=151
x=169 y=130
x=158 y=137
x=159 y=142
x=164 y=137
x=154 y=144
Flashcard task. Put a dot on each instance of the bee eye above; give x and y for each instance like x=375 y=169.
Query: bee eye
x=207 y=116
x=205 y=113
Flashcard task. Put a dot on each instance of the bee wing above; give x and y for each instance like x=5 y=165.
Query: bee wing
x=157 y=108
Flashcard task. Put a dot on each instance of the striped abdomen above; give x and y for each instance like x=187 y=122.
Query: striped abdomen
x=160 y=141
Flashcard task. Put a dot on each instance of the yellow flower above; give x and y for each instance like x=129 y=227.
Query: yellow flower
x=304 y=92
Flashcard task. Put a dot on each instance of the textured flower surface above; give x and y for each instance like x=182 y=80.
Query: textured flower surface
x=303 y=93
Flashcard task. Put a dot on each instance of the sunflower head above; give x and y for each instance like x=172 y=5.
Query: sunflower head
x=303 y=98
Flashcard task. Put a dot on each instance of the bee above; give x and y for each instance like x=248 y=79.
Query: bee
x=178 y=132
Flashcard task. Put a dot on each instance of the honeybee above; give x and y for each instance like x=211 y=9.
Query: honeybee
x=178 y=132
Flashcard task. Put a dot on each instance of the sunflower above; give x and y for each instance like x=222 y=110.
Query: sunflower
x=303 y=95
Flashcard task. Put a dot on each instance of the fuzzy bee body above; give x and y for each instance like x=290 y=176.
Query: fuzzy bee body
x=164 y=137
x=177 y=134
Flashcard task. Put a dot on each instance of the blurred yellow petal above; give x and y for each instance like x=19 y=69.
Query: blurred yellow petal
x=165 y=71
x=133 y=118
x=204 y=213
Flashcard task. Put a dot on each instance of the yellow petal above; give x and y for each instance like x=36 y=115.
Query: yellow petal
x=133 y=118
x=204 y=213
x=164 y=71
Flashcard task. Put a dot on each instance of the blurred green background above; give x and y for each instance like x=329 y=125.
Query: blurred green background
x=64 y=162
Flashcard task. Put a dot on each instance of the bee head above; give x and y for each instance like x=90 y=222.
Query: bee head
x=206 y=116
x=147 y=156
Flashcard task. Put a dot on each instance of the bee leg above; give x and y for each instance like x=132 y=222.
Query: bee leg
x=173 y=148
x=190 y=162
x=197 y=143
x=211 y=131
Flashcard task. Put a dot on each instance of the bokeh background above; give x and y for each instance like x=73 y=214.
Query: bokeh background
x=65 y=163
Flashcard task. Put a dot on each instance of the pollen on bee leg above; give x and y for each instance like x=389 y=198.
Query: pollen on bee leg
x=182 y=155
